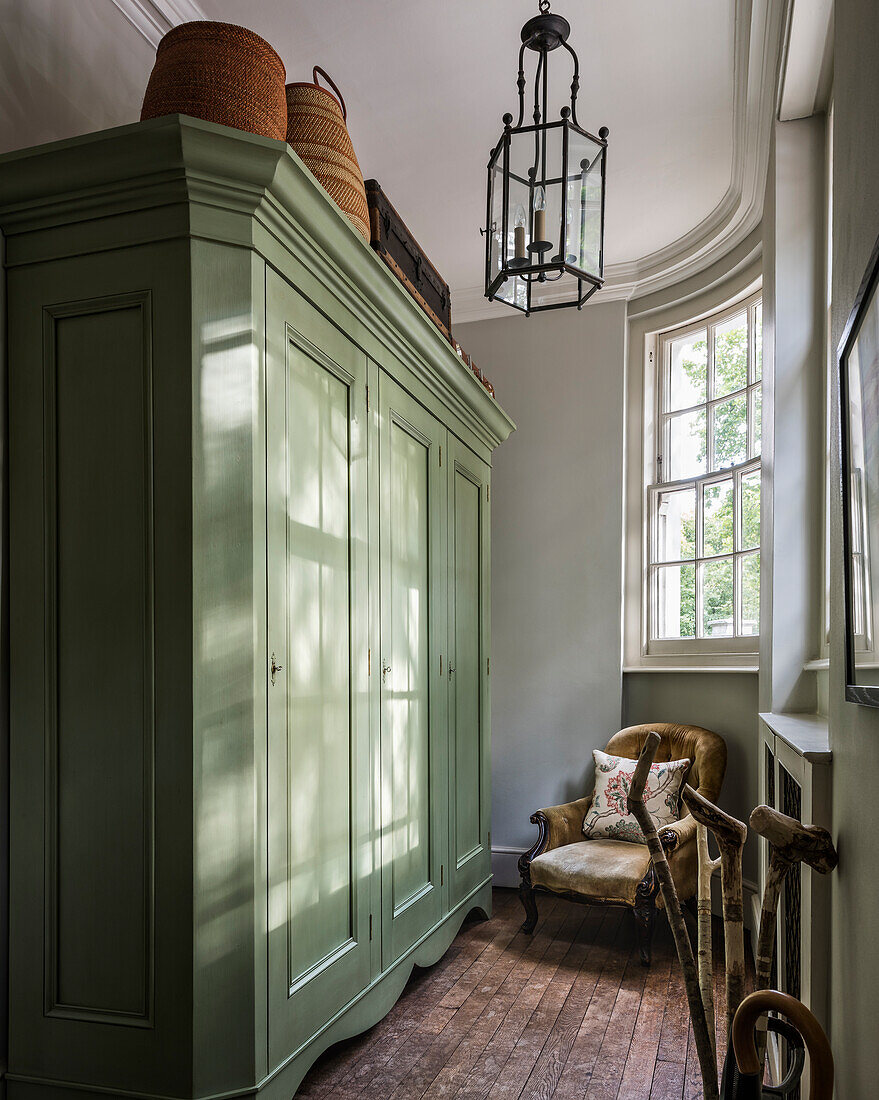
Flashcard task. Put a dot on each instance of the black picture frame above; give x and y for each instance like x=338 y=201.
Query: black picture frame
x=864 y=693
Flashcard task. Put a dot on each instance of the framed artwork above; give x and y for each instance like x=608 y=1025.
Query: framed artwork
x=858 y=363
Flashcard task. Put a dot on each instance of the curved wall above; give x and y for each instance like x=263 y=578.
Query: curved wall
x=723 y=701
x=564 y=488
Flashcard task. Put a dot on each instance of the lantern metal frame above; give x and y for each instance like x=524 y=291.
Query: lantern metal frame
x=542 y=34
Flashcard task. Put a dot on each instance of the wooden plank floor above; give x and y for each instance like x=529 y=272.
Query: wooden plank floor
x=568 y=1013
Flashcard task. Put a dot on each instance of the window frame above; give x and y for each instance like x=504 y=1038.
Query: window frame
x=730 y=649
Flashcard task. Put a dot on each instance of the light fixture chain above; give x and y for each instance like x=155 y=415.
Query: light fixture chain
x=544 y=6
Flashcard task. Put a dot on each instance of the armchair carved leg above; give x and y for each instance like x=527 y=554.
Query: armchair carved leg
x=526 y=890
x=529 y=903
x=645 y=916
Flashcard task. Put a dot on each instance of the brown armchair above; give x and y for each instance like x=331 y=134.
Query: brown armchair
x=618 y=872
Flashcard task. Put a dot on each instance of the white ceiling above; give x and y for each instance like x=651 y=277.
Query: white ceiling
x=426 y=85
x=687 y=88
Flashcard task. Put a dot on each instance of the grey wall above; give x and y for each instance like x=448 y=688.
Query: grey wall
x=854 y=730
x=556 y=535
x=4 y=691
x=65 y=69
x=556 y=576
x=725 y=702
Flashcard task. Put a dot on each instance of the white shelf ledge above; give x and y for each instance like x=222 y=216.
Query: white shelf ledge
x=807 y=734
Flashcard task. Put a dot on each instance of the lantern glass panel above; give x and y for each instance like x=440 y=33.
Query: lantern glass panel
x=519 y=202
x=496 y=214
x=564 y=289
x=549 y=177
x=584 y=194
x=514 y=291
x=535 y=190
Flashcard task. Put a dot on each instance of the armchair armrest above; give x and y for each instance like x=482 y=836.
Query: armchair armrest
x=678 y=834
x=557 y=826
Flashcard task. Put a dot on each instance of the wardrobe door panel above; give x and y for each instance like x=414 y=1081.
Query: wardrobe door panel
x=468 y=657
x=413 y=691
x=407 y=696
x=318 y=670
x=318 y=727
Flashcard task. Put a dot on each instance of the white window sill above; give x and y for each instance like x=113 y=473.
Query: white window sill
x=752 y=669
x=818 y=665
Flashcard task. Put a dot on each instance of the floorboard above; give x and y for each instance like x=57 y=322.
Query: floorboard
x=566 y=1014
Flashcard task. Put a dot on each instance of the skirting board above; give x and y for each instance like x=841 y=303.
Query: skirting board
x=504 y=867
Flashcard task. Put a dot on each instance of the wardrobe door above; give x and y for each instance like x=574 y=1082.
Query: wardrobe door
x=319 y=779
x=413 y=686
x=469 y=772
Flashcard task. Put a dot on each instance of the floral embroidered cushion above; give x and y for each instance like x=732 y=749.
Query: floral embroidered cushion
x=607 y=816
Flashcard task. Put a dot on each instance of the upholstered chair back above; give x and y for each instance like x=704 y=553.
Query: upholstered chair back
x=705 y=749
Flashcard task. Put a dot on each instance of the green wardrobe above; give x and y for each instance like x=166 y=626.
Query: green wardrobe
x=249 y=619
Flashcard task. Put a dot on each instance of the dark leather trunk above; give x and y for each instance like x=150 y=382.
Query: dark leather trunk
x=405 y=257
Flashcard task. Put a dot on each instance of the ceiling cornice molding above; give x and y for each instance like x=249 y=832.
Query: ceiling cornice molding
x=154 y=18
x=759 y=35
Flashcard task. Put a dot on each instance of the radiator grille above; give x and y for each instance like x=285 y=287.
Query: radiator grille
x=770 y=777
x=792 y=805
x=770 y=801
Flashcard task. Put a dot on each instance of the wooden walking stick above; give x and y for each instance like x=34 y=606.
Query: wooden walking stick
x=790 y=842
x=635 y=806
x=704 y=951
x=730 y=834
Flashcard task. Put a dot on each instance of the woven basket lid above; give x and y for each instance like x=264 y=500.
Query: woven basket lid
x=209 y=30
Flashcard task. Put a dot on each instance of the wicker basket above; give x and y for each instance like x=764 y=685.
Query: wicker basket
x=221 y=73
x=316 y=130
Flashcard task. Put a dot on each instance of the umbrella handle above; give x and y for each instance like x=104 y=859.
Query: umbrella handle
x=745 y=1047
x=796 y=1052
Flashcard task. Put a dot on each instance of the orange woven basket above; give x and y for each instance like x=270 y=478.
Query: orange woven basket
x=222 y=73
x=317 y=131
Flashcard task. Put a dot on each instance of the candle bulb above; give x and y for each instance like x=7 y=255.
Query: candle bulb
x=539 y=214
x=519 y=231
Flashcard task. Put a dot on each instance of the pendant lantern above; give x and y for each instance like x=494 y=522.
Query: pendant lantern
x=546 y=184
